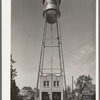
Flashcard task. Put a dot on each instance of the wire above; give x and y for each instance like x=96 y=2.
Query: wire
x=86 y=66
x=84 y=55
x=89 y=59
x=70 y=51
x=78 y=47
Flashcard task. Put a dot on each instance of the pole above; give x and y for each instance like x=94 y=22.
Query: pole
x=51 y=59
x=72 y=87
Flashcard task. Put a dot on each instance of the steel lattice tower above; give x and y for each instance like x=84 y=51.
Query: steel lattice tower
x=51 y=16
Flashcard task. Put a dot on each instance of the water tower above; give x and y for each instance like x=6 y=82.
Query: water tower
x=51 y=10
x=51 y=79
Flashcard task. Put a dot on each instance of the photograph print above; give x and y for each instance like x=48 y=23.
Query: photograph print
x=53 y=50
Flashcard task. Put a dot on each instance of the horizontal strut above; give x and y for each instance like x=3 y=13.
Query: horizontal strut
x=50 y=46
x=50 y=73
x=50 y=69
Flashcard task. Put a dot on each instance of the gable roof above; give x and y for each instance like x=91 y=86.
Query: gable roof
x=88 y=88
x=91 y=87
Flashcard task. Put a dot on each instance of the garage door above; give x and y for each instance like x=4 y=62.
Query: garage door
x=56 y=96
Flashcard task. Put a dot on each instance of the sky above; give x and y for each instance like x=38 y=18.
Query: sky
x=77 y=23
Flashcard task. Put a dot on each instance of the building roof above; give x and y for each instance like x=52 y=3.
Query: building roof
x=88 y=89
x=52 y=75
x=91 y=87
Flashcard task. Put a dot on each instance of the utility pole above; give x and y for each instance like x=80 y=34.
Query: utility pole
x=72 y=87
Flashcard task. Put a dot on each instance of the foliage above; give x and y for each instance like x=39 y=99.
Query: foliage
x=35 y=89
x=14 y=89
x=28 y=92
x=68 y=89
x=82 y=80
x=26 y=88
x=13 y=71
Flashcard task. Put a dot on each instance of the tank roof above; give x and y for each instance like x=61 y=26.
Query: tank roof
x=59 y=1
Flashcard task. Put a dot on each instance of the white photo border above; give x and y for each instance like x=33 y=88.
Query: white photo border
x=6 y=48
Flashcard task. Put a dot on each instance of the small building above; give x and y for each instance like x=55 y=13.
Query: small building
x=88 y=92
x=27 y=95
x=51 y=87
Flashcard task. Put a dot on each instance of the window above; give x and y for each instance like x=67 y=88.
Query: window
x=46 y=83
x=56 y=83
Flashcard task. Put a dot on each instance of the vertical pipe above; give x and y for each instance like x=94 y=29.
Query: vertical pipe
x=58 y=37
x=51 y=58
x=1 y=50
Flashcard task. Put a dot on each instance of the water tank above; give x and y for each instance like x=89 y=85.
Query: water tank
x=51 y=10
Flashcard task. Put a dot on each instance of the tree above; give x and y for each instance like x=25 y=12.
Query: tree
x=68 y=89
x=26 y=88
x=14 y=88
x=29 y=93
x=35 y=89
x=82 y=80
